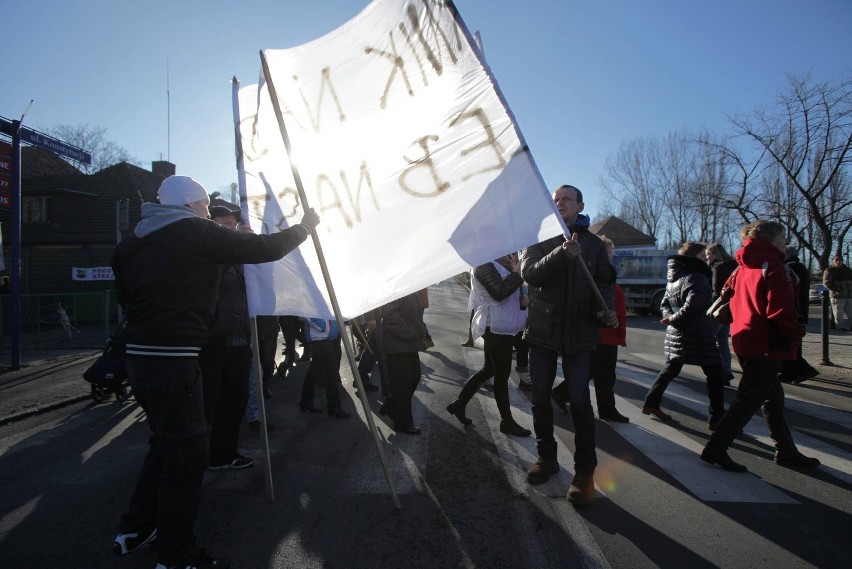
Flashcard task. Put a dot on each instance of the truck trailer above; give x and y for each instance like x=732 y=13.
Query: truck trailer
x=642 y=276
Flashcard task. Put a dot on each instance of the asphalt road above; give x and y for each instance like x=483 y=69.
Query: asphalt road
x=66 y=474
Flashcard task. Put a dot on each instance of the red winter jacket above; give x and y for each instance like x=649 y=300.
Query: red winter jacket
x=616 y=336
x=766 y=322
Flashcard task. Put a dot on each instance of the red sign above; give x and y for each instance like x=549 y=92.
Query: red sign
x=5 y=173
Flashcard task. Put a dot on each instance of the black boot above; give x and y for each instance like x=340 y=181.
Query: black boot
x=456 y=408
x=722 y=459
x=790 y=456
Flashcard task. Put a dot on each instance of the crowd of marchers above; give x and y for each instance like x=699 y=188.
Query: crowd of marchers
x=180 y=280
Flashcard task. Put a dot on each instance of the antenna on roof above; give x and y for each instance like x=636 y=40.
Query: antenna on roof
x=26 y=111
x=168 y=116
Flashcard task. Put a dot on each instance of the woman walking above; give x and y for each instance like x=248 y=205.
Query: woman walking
x=766 y=332
x=721 y=265
x=498 y=317
x=689 y=331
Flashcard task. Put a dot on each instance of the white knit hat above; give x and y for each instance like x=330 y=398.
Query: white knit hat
x=181 y=190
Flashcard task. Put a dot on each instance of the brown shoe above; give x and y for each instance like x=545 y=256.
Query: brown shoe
x=582 y=491
x=656 y=412
x=542 y=470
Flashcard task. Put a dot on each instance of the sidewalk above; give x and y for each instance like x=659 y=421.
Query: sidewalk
x=52 y=379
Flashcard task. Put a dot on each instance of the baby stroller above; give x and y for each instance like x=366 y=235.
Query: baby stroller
x=108 y=374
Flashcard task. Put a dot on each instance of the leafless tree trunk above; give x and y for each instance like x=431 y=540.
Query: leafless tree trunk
x=803 y=144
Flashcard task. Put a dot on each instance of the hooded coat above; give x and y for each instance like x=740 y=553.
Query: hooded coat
x=766 y=322
x=690 y=338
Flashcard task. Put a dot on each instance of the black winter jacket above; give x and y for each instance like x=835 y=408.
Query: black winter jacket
x=562 y=305
x=167 y=273
x=721 y=271
x=498 y=288
x=402 y=326
x=690 y=336
x=231 y=324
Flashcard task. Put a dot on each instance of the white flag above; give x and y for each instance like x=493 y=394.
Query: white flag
x=405 y=148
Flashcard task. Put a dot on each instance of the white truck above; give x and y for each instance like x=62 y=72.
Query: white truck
x=642 y=277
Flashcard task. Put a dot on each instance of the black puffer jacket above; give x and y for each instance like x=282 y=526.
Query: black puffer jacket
x=689 y=335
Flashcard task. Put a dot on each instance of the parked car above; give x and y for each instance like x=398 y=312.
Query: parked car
x=815 y=296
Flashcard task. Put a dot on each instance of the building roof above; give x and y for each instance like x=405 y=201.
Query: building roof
x=621 y=233
x=83 y=207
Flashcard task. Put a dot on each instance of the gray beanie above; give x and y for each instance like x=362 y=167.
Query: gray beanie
x=181 y=190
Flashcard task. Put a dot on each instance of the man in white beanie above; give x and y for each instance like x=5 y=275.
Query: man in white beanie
x=167 y=277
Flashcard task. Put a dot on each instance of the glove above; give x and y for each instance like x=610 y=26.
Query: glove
x=311 y=218
x=608 y=318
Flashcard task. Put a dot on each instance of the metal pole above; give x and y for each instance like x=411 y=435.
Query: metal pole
x=15 y=268
x=261 y=405
x=362 y=394
x=826 y=324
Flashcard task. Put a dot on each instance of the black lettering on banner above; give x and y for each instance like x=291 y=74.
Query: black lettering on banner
x=398 y=66
x=323 y=180
x=489 y=142
x=434 y=31
x=432 y=39
x=325 y=81
x=425 y=162
x=325 y=185
x=251 y=152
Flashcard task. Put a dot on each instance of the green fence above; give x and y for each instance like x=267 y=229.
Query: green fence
x=60 y=321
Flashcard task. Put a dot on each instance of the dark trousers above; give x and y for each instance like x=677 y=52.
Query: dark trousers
x=404 y=369
x=575 y=367
x=759 y=388
x=602 y=367
x=225 y=374
x=289 y=329
x=715 y=387
x=369 y=360
x=498 y=364
x=323 y=371
x=168 y=490
x=522 y=357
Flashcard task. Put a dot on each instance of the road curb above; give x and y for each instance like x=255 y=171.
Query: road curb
x=38 y=410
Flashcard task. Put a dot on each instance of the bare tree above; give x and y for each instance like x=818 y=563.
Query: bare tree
x=803 y=147
x=629 y=181
x=92 y=139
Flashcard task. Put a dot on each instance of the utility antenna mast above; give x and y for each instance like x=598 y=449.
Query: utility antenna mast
x=168 y=116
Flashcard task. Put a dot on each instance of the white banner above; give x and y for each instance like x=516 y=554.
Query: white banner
x=405 y=148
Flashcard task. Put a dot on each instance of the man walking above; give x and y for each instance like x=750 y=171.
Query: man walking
x=167 y=278
x=838 y=280
x=563 y=321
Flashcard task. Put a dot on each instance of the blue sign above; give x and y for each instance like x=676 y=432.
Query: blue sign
x=44 y=141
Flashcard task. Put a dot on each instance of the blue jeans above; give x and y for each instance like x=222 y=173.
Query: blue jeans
x=576 y=369
x=168 y=490
x=723 y=333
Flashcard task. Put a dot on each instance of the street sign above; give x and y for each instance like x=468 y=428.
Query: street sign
x=5 y=174
x=44 y=141
x=92 y=274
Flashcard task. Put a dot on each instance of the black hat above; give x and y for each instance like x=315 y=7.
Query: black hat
x=222 y=211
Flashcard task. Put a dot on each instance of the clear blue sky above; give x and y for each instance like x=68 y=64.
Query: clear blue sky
x=580 y=76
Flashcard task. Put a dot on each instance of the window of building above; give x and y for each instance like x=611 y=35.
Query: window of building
x=35 y=209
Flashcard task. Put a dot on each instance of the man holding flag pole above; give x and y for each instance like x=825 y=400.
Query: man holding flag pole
x=567 y=305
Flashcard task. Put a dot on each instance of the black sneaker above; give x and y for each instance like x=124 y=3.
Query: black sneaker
x=201 y=561
x=126 y=543
x=236 y=463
